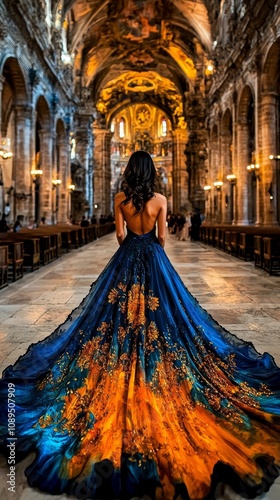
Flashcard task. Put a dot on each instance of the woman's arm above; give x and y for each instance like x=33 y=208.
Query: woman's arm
x=119 y=219
x=161 y=222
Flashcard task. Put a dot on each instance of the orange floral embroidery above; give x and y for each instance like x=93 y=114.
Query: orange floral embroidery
x=136 y=306
x=133 y=302
x=113 y=296
x=152 y=302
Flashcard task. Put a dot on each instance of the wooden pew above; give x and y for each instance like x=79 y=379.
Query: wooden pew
x=3 y=266
x=246 y=246
x=31 y=249
x=15 y=258
x=271 y=255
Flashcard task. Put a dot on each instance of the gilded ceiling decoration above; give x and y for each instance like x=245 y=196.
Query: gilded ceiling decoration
x=129 y=50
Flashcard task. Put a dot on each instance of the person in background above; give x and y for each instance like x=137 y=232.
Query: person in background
x=17 y=226
x=4 y=228
x=84 y=222
x=42 y=221
x=32 y=224
x=93 y=220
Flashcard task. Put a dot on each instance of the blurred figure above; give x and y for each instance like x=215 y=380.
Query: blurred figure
x=84 y=222
x=4 y=228
x=196 y=223
x=32 y=224
x=17 y=226
x=42 y=221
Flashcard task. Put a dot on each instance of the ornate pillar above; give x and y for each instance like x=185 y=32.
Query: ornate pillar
x=65 y=176
x=102 y=170
x=242 y=173
x=46 y=148
x=84 y=153
x=22 y=163
x=180 y=174
x=268 y=167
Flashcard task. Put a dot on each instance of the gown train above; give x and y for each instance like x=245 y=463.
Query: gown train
x=141 y=392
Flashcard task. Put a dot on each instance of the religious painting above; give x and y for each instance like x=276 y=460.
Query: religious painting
x=137 y=22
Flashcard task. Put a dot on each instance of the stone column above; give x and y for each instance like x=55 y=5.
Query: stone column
x=46 y=145
x=65 y=176
x=84 y=151
x=22 y=163
x=268 y=167
x=102 y=170
x=242 y=174
x=179 y=174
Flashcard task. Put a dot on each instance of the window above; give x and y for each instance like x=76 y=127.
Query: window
x=163 y=127
x=122 y=128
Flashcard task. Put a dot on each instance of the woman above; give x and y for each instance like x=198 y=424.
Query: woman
x=141 y=392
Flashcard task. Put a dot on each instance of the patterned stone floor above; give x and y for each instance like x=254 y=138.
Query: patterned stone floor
x=243 y=299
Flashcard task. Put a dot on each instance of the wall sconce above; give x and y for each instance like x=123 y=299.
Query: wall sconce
x=72 y=187
x=5 y=148
x=231 y=178
x=218 y=184
x=272 y=157
x=207 y=188
x=56 y=182
x=253 y=167
x=36 y=173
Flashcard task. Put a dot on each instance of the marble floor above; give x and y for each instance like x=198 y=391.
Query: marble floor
x=243 y=299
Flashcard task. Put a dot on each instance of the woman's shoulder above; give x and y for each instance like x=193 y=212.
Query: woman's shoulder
x=120 y=196
x=160 y=197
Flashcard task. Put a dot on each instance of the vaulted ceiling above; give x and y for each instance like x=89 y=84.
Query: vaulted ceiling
x=137 y=48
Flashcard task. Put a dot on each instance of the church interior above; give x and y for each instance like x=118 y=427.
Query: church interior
x=84 y=84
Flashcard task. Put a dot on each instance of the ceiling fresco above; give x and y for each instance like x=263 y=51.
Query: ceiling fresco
x=126 y=49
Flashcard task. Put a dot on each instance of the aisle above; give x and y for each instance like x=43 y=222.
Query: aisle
x=243 y=299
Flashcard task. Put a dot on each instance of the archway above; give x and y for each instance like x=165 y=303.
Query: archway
x=14 y=117
x=227 y=150
x=246 y=156
x=44 y=157
x=270 y=106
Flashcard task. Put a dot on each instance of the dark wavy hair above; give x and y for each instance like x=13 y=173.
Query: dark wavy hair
x=139 y=180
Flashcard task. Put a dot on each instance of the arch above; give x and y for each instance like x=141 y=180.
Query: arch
x=60 y=129
x=15 y=78
x=126 y=104
x=271 y=69
x=43 y=112
x=245 y=100
x=227 y=122
x=14 y=89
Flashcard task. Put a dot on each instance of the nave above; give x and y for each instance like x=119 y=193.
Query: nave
x=245 y=300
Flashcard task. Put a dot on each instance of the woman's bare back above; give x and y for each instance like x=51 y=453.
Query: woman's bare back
x=154 y=211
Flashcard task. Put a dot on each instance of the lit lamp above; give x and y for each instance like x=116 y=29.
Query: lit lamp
x=207 y=188
x=253 y=167
x=72 y=187
x=272 y=157
x=36 y=173
x=218 y=184
x=231 y=178
x=5 y=148
x=56 y=182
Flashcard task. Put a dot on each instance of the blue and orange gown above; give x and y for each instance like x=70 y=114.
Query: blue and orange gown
x=141 y=392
